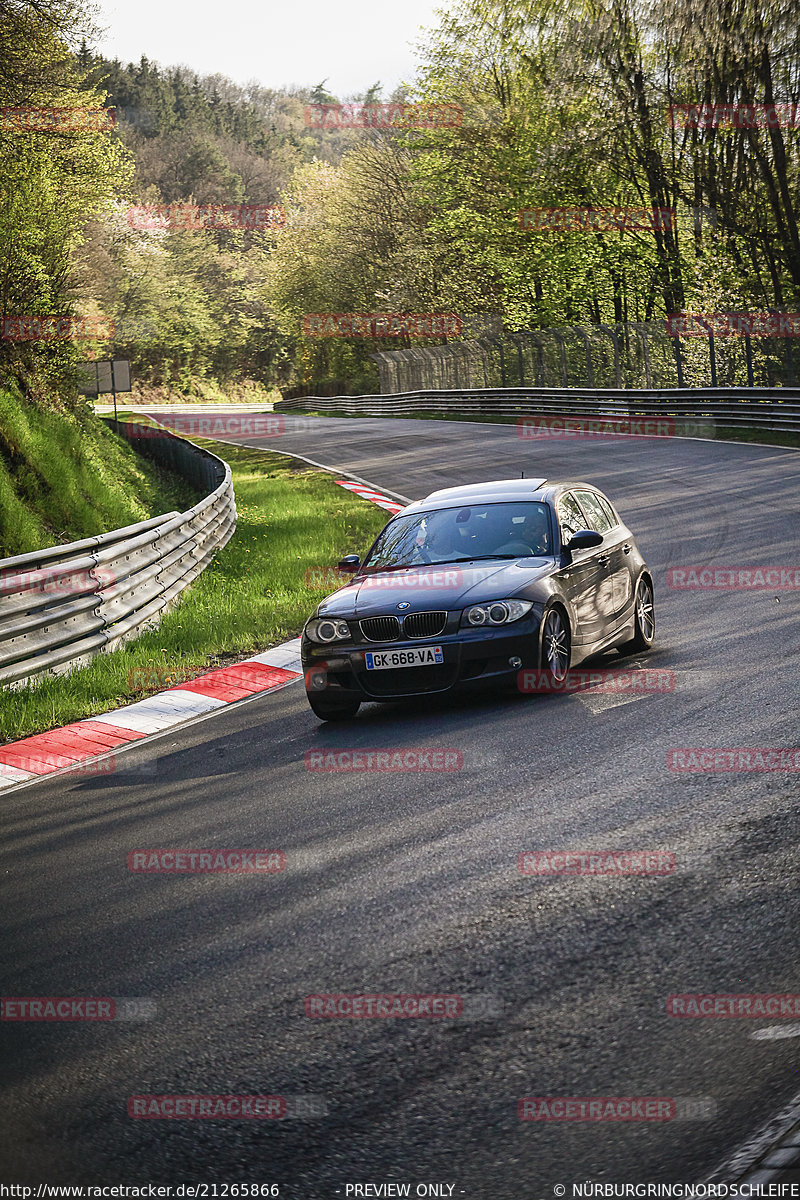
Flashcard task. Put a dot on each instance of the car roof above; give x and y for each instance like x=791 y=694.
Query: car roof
x=495 y=491
x=474 y=493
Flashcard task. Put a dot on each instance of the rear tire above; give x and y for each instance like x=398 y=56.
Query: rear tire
x=644 y=619
x=333 y=710
x=556 y=645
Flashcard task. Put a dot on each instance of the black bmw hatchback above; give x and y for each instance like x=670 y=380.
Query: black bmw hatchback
x=471 y=585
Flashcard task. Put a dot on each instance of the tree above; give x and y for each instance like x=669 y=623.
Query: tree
x=54 y=179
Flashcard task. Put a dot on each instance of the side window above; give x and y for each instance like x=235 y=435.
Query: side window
x=598 y=517
x=608 y=510
x=570 y=517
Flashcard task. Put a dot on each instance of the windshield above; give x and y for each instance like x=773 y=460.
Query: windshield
x=518 y=529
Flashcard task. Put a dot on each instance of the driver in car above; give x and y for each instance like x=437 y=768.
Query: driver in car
x=506 y=536
x=534 y=533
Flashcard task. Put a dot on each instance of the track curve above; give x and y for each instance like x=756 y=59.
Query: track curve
x=408 y=883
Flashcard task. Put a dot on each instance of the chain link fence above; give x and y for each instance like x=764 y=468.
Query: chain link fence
x=635 y=354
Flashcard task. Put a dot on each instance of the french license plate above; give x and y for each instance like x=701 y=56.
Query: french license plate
x=420 y=656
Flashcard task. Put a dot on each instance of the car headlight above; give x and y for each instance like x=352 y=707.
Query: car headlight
x=499 y=612
x=328 y=629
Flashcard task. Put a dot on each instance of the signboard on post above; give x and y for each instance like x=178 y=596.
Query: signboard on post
x=106 y=375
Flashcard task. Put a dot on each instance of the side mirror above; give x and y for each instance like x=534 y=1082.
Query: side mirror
x=350 y=563
x=584 y=539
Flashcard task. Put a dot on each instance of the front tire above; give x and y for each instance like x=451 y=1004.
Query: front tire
x=333 y=710
x=556 y=645
x=644 y=619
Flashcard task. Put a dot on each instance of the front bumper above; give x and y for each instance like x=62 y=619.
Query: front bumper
x=473 y=658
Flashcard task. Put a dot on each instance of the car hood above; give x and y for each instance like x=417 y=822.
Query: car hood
x=438 y=586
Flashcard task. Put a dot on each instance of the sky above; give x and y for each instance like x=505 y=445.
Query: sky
x=352 y=44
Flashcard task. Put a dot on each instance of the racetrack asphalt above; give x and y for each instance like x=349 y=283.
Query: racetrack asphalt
x=408 y=882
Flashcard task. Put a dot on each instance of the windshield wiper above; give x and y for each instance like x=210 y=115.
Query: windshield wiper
x=443 y=562
x=484 y=557
x=392 y=567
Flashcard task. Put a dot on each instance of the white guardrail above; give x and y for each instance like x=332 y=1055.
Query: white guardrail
x=61 y=606
x=687 y=412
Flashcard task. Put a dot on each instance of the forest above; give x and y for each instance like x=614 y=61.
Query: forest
x=549 y=166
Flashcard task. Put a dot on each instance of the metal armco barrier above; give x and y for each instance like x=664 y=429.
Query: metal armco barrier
x=61 y=606
x=695 y=411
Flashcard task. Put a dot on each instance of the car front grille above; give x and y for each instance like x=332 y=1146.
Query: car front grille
x=424 y=624
x=380 y=629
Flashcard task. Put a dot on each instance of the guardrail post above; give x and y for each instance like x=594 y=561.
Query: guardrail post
x=563 y=353
x=498 y=342
x=789 y=362
x=676 y=345
x=748 y=354
x=583 y=335
x=643 y=334
x=612 y=333
x=517 y=340
x=541 y=373
x=712 y=359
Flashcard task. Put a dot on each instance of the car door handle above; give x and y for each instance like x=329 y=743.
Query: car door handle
x=626 y=549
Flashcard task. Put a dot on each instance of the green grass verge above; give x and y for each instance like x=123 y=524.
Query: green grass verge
x=65 y=476
x=769 y=437
x=201 y=391
x=255 y=594
x=723 y=432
